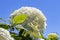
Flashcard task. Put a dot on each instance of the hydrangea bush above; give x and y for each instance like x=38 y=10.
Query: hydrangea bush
x=30 y=23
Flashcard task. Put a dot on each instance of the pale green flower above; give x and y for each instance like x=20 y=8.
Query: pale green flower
x=52 y=36
x=35 y=21
x=5 y=35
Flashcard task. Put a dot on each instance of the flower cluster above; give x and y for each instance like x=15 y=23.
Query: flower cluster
x=52 y=35
x=5 y=35
x=35 y=21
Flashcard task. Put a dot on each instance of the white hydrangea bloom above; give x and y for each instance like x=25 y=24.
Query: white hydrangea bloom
x=5 y=35
x=36 y=21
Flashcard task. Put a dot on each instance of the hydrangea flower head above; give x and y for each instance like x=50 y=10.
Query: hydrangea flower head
x=5 y=35
x=34 y=21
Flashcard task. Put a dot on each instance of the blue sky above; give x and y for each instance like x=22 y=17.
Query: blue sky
x=50 y=8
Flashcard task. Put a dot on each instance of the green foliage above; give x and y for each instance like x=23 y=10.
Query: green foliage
x=23 y=35
x=19 y=18
x=5 y=26
x=16 y=37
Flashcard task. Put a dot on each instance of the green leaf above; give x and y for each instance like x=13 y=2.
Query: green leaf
x=16 y=37
x=5 y=26
x=19 y=18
